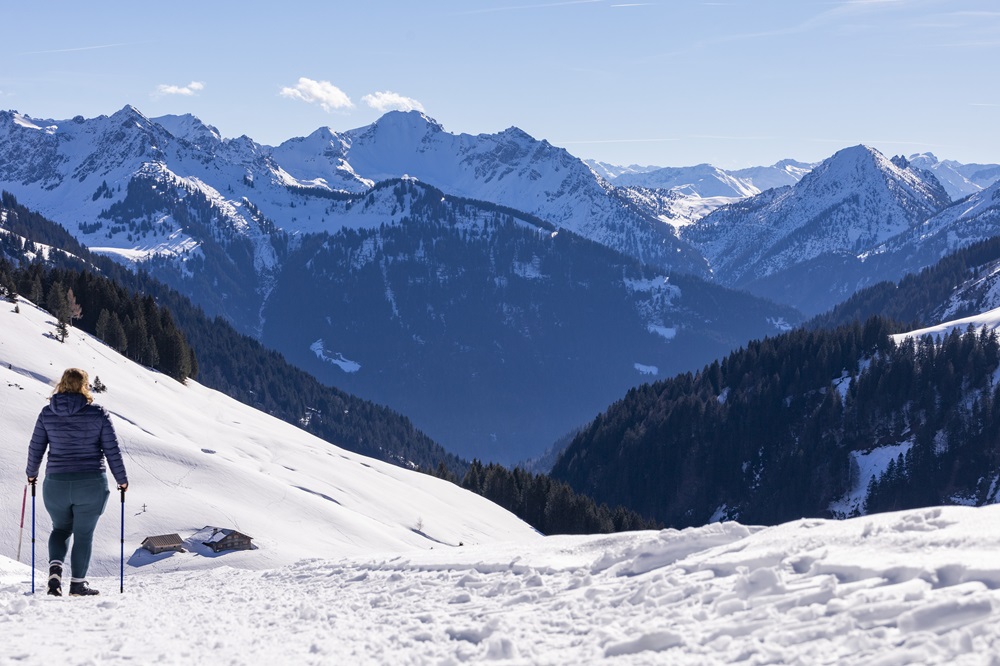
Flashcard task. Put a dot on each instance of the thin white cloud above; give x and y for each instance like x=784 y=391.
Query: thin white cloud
x=185 y=91
x=492 y=10
x=73 y=50
x=389 y=101
x=324 y=93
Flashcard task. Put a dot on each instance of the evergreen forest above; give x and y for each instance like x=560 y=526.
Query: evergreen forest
x=773 y=432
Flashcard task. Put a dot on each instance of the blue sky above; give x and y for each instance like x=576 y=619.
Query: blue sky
x=666 y=82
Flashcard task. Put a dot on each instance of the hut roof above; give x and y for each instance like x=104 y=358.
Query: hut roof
x=163 y=541
x=220 y=533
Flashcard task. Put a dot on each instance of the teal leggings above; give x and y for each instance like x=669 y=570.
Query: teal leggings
x=74 y=501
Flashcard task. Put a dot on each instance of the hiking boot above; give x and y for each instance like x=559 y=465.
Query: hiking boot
x=80 y=588
x=55 y=579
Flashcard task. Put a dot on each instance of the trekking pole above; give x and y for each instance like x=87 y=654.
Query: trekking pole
x=122 y=491
x=20 y=537
x=33 y=536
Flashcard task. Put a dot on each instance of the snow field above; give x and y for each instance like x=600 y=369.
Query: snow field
x=912 y=587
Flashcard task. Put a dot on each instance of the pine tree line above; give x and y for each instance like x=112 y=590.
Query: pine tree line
x=550 y=506
x=133 y=325
x=917 y=296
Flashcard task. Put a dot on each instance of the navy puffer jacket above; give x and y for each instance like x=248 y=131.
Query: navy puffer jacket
x=78 y=436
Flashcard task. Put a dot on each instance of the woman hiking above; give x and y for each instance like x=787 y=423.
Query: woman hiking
x=78 y=436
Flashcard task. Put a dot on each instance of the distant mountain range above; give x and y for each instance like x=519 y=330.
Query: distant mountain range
x=493 y=287
x=960 y=180
x=705 y=180
x=496 y=329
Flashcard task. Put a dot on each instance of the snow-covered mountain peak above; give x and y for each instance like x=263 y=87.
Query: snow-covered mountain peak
x=849 y=162
x=609 y=171
x=320 y=160
x=130 y=114
x=408 y=127
x=324 y=140
x=861 y=168
x=517 y=134
x=790 y=163
x=190 y=128
x=924 y=160
x=851 y=202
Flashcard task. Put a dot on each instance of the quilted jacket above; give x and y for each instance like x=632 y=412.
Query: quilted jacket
x=78 y=436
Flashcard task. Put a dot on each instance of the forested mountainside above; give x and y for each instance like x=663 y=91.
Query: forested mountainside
x=495 y=331
x=964 y=283
x=794 y=425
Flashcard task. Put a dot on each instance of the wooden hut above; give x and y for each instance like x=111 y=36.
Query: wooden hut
x=163 y=543
x=226 y=539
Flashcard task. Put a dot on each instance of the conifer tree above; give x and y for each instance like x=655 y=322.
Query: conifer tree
x=57 y=304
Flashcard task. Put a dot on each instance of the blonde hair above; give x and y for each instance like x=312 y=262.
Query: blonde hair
x=75 y=380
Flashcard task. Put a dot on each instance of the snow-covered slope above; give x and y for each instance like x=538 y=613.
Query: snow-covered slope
x=989 y=320
x=196 y=457
x=974 y=218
